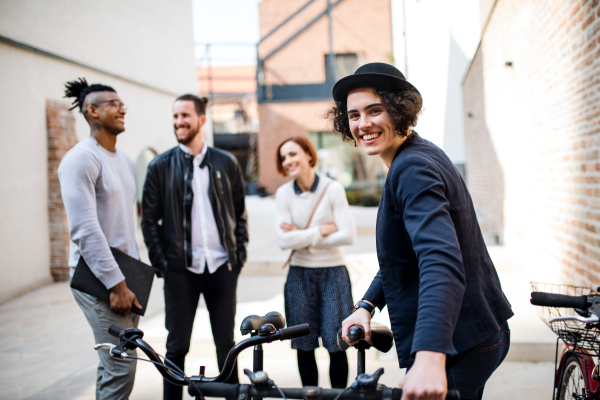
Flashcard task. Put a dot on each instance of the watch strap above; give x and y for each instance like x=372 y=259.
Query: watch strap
x=366 y=306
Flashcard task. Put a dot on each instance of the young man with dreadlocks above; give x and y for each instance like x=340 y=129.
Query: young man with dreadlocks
x=98 y=189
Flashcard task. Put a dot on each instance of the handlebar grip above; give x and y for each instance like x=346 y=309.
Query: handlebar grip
x=294 y=331
x=115 y=331
x=453 y=394
x=356 y=332
x=558 y=300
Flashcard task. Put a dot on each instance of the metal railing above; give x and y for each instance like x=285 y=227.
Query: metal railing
x=289 y=93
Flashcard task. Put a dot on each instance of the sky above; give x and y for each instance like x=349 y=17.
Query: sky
x=215 y=23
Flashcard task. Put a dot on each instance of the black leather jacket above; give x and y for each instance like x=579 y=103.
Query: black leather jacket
x=167 y=208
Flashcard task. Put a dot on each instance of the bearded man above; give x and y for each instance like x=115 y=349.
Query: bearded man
x=195 y=227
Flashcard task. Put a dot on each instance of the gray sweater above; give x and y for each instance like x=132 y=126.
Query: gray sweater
x=98 y=190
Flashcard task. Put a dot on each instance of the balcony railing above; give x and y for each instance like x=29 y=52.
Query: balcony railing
x=292 y=93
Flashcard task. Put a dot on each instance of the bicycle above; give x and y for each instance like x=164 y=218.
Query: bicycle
x=365 y=387
x=576 y=373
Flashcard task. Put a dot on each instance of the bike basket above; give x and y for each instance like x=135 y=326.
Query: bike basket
x=573 y=333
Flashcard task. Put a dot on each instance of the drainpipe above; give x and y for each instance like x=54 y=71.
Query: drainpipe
x=405 y=42
x=331 y=54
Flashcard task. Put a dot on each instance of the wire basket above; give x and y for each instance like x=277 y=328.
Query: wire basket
x=573 y=333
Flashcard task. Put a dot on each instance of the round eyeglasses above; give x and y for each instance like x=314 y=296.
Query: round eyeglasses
x=117 y=103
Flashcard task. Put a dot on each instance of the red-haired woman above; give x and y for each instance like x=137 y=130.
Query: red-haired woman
x=317 y=290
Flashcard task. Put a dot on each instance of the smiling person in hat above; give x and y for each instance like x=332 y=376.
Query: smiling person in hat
x=446 y=306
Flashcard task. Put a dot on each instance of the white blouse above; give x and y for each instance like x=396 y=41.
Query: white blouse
x=312 y=249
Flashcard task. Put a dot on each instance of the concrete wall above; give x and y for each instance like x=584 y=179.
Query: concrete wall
x=147 y=42
x=485 y=9
x=150 y=41
x=532 y=98
x=441 y=39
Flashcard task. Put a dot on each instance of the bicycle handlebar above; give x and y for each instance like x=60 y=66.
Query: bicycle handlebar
x=230 y=390
x=214 y=387
x=293 y=332
x=356 y=332
x=116 y=331
x=559 y=300
x=282 y=334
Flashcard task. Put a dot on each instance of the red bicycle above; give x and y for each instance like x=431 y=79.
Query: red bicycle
x=573 y=313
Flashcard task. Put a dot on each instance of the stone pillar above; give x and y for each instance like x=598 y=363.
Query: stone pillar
x=60 y=127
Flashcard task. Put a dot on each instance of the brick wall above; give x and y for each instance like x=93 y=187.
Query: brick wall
x=532 y=133
x=61 y=137
x=280 y=121
x=365 y=30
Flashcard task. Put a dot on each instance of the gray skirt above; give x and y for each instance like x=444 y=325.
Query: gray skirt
x=321 y=297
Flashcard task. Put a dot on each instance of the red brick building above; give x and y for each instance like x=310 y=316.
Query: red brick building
x=532 y=133
x=227 y=81
x=295 y=78
x=233 y=110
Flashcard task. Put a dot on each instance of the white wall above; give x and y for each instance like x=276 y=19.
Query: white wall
x=442 y=37
x=146 y=40
x=139 y=52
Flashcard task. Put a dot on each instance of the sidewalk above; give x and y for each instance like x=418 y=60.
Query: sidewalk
x=46 y=345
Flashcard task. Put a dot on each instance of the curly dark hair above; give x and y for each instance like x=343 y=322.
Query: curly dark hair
x=403 y=108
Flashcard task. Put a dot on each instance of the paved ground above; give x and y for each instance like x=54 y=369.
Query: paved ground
x=46 y=345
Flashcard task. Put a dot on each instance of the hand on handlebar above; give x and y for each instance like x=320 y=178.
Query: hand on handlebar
x=359 y=317
x=122 y=299
x=426 y=379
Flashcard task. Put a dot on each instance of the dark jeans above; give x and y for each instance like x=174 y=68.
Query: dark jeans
x=469 y=371
x=182 y=293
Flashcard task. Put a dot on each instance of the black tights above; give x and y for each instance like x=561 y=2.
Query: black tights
x=309 y=373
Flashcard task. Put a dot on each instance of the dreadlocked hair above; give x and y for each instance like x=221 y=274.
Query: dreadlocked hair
x=80 y=88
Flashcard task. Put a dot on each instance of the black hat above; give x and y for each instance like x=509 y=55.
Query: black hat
x=376 y=75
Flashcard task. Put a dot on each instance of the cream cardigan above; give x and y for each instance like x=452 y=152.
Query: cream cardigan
x=313 y=250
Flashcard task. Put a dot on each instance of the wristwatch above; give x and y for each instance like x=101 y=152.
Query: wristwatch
x=365 y=305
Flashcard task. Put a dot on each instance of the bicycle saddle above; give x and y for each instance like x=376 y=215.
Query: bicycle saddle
x=381 y=337
x=252 y=323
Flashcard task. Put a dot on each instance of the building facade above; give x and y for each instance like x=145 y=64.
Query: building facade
x=144 y=49
x=434 y=41
x=234 y=112
x=305 y=47
x=532 y=126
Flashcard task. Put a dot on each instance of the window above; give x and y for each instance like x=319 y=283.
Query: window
x=345 y=64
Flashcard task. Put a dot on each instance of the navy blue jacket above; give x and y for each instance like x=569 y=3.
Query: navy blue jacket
x=435 y=274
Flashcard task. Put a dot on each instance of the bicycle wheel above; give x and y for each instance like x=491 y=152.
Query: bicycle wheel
x=572 y=382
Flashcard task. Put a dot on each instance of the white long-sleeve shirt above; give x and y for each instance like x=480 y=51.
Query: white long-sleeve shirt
x=312 y=249
x=207 y=249
x=98 y=190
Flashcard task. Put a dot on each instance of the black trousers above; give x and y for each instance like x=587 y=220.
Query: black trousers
x=182 y=293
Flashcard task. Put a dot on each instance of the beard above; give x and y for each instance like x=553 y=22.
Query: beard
x=192 y=132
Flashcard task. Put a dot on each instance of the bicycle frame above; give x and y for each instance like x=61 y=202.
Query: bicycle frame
x=581 y=343
x=588 y=364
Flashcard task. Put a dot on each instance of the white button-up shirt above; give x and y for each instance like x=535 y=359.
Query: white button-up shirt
x=207 y=249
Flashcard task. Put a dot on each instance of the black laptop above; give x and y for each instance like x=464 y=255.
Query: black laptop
x=138 y=276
